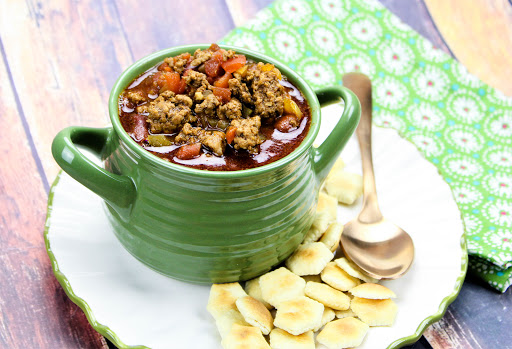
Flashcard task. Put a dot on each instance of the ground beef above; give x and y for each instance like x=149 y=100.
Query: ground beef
x=228 y=54
x=230 y=110
x=247 y=133
x=240 y=90
x=198 y=115
x=198 y=84
x=188 y=135
x=195 y=80
x=208 y=106
x=169 y=112
x=177 y=63
x=267 y=93
x=135 y=97
x=213 y=140
x=201 y=56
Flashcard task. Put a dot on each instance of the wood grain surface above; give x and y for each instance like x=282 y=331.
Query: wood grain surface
x=58 y=61
x=35 y=311
x=479 y=33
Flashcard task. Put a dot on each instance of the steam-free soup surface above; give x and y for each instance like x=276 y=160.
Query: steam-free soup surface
x=215 y=110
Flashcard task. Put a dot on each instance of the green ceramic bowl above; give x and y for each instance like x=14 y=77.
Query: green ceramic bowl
x=206 y=226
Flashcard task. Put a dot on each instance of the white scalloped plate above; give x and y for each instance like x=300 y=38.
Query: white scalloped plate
x=134 y=306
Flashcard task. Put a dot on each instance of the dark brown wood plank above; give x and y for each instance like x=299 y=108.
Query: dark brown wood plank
x=448 y=333
x=35 y=312
x=478 y=318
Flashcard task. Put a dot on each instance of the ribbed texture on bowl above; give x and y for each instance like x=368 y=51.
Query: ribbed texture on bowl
x=218 y=229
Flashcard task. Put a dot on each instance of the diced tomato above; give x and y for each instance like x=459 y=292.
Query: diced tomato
x=223 y=81
x=234 y=63
x=155 y=77
x=169 y=81
x=212 y=67
x=182 y=86
x=188 y=151
x=218 y=56
x=230 y=134
x=164 y=67
x=214 y=47
x=223 y=94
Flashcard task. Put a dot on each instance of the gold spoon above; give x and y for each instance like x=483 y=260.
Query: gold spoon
x=376 y=245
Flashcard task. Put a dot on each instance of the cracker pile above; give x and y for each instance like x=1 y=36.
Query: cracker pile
x=316 y=297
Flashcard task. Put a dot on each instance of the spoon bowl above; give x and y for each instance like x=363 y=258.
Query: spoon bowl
x=379 y=247
x=382 y=249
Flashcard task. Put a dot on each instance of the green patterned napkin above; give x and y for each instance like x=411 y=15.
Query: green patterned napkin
x=460 y=125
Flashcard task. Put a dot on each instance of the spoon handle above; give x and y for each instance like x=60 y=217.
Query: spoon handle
x=361 y=85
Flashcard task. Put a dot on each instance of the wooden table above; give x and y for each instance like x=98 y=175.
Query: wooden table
x=58 y=62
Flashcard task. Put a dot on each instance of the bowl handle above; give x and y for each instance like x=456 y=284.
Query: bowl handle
x=117 y=190
x=326 y=154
